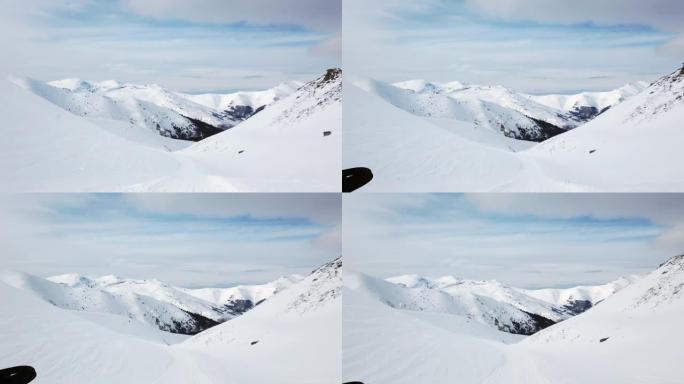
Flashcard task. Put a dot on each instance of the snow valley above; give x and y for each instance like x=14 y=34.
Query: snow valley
x=434 y=330
x=74 y=135
x=113 y=330
x=422 y=136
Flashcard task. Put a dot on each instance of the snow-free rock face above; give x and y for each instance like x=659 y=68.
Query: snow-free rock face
x=166 y=307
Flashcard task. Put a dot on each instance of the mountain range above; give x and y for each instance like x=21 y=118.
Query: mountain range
x=72 y=328
x=73 y=135
x=418 y=136
x=168 y=308
x=435 y=330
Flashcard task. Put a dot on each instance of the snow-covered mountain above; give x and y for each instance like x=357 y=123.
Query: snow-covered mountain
x=631 y=335
x=294 y=337
x=171 y=114
x=584 y=106
x=293 y=144
x=421 y=139
x=497 y=108
x=291 y=338
x=489 y=302
x=169 y=308
x=576 y=300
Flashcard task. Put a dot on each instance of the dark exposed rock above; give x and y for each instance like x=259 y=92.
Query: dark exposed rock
x=584 y=113
x=534 y=324
x=575 y=307
x=544 y=131
x=192 y=326
x=238 y=307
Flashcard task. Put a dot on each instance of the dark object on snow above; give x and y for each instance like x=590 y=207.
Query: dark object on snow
x=355 y=178
x=353 y=382
x=22 y=374
x=604 y=339
x=592 y=151
x=254 y=342
x=327 y=133
x=240 y=151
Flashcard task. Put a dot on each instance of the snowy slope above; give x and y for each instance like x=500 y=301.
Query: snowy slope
x=386 y=345
x=292 y=145
x=497 y=108
x=579 y=299
x=237 y=300
x=632 y=336
x=587 y=105
x=488 y=303
x=295 y=336
x=490 y=108
x=641 y=333
x=151 y=302
x=144 y=107
x=409 y=153
x=65 y=348
x=245 y=99
x=633 y=146
x=49 y=149
x=173 y=114
x=76 y=347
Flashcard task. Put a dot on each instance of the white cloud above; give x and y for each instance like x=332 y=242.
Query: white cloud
x=445 y=41
x=528 y=240
x=322 y=208
x=666 y=209
x=321 y=15
x=97 y=41
x=181 y=239
x=667 y=15
x=660 y=14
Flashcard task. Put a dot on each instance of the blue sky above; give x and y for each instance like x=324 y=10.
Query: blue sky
x=529 y=45
x=189 y=240
x=209 y=45
x=524 y=240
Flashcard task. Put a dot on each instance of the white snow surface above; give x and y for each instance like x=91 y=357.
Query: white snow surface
x=418 y=141
x=103 y=147
x=631 y=336
x=299 y=339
